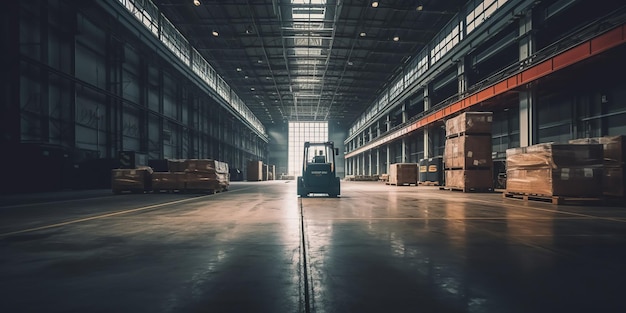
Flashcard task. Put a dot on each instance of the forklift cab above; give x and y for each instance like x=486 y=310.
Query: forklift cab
x=319 y=170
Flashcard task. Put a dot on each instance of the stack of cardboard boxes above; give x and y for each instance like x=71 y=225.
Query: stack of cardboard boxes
x=467 y=154
x=548 y=169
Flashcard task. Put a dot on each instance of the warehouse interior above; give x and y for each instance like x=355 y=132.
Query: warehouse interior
x=185 y=88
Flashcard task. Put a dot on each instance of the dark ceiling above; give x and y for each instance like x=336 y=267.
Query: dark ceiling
x=308 y=60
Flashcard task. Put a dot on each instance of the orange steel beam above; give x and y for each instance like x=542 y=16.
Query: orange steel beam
x=580 y=52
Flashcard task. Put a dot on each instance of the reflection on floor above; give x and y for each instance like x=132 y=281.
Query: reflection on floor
x=260 y=248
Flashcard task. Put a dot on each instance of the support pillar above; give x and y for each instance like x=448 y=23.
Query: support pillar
x=378 y=172
x=527 y=96
x=526 y=117
x=404 y=119
x=387 y=163
x=369 y=163
x=426 y=128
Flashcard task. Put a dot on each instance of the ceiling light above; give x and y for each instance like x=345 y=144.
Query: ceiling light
x=374 y=4
x=420 y=7
x=239 y=69
x=215 y=33
x=396 y=38
x=362 y=34
x=246 y=77
x=196 y=2
x=350 y=63
x=252 y=89
x=259 y=61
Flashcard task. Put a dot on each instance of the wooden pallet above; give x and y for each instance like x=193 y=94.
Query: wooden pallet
x=551 y=199
x=466 y=189
x=401 y=184
x=429 y=183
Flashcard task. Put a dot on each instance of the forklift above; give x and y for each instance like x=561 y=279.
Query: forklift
x=319 y=170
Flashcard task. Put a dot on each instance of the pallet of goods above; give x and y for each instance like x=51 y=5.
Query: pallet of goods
x=206 y=175
x=556 y=173
x=431 y=171
x=137 y=180
x=255 y=171
x=614 y=175
x=193 y=175
x=401 y=174
x=467 y=157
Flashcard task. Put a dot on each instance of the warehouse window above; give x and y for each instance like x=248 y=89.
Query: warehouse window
x=299 y=132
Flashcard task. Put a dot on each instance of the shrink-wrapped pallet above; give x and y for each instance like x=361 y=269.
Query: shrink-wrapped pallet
x=614 y=147
x=206 y=174
x=135 y=180
x=555 y=170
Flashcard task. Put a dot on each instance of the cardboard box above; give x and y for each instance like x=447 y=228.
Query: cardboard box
x=403 y=173
x=468 y=180
x=469 y=123
x=468 y=151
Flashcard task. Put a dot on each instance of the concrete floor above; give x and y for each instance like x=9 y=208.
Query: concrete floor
x=259 y=248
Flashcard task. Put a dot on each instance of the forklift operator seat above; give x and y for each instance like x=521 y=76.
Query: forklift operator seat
x=319 y=159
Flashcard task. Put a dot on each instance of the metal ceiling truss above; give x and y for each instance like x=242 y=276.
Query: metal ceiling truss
x=308 y=60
